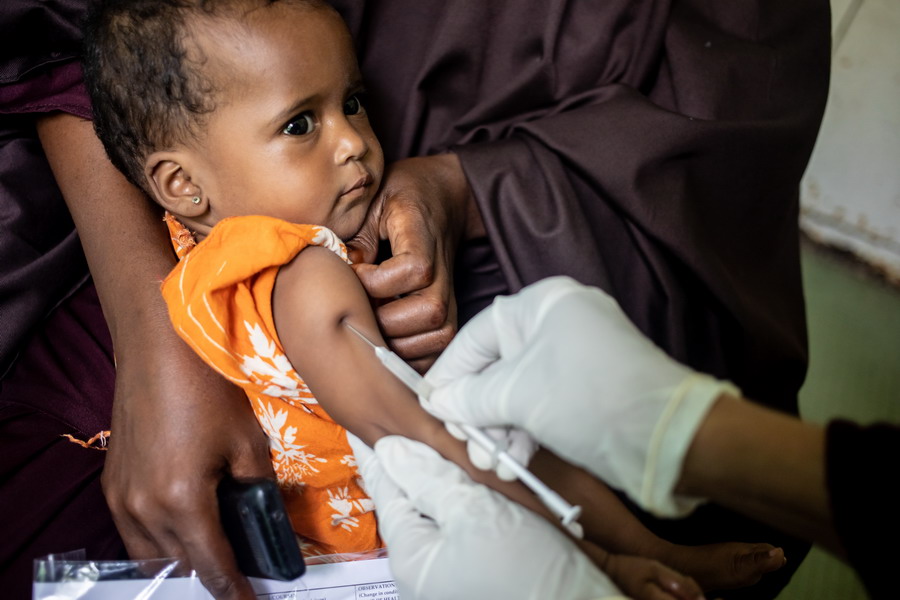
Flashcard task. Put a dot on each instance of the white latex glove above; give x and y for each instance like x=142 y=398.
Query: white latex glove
x=449 y=537
x=513 y=441
x=562 y=361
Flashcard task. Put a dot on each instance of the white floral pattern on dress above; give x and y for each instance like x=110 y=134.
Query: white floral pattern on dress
x=345 y=506
x=271 y=369
x=290 y=460
x=329 y=239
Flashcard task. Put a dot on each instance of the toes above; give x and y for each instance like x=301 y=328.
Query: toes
x=772 y=559
x=761 y=559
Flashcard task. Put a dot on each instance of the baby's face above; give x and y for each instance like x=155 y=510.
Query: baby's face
x=290 y=137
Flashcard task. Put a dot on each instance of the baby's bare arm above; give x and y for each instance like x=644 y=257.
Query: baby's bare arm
x=313 y=296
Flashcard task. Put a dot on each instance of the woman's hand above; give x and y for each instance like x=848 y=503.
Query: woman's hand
x=177 y=427
x=425 y=207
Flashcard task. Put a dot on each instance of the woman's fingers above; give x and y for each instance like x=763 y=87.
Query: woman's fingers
x=421 y=216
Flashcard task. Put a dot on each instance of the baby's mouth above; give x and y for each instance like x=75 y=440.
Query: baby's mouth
x=358 y=188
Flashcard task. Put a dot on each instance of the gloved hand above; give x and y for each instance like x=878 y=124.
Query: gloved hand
x=562 y=361
x=513 y=441
x=449 y=537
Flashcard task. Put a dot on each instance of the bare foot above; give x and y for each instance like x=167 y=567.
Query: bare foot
x=725 y=566
x=642 y=578
x=646 y=579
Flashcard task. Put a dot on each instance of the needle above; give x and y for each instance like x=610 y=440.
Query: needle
x=567 y=513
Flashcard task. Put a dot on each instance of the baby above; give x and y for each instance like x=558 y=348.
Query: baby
x=246 y=121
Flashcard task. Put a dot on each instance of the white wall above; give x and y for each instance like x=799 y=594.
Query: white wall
x=850 y=195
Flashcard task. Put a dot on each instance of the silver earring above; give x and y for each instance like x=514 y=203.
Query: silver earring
x=196 y=199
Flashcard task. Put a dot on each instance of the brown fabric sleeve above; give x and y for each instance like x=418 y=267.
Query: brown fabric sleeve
x=38 y=34
x=681 y=199
x=653 y=148
x=60 y=88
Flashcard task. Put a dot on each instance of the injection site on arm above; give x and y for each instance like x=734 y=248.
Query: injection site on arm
x=567 y=513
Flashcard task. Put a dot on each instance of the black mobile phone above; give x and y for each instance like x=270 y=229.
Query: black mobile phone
x=257 y=525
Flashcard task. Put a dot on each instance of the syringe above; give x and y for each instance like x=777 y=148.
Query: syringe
x=567 y=513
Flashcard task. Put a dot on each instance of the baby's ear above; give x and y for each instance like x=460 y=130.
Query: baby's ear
x=172 y=187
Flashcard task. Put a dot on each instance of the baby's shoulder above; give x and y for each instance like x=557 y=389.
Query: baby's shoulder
x=317 y=267
x=316 y=290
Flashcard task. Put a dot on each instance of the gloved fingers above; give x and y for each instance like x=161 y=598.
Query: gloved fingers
x=477 y=399
x=456 y=431
x=475 y=347
x=407 y=532
x=431 y=483
x=514 y=442
x=361 y=450
x=521 y=446
x=400 y=524
x=500 y=330
x=378 y=484
x=383 y=491
x=484 y=458
x=518 y=317
x=480 y=457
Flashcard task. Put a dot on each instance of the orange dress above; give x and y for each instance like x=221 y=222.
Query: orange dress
x=220 y=302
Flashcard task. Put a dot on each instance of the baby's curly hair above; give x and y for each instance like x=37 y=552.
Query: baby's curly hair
x=145 y=79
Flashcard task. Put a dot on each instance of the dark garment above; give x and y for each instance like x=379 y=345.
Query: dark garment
x=41 y=261
x=651 y=148
x=37 y=34
x=862 y=485
x=40 y=254
x=50 y=496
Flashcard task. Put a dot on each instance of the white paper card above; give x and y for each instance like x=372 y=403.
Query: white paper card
x=356 y=580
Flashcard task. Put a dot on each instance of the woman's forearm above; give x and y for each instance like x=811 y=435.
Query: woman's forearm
x=177 y=427
x=125 y=243
x=763 y=464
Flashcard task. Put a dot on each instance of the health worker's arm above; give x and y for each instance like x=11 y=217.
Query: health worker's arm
x=177 y=427
x=563 y=362
x=764 y=464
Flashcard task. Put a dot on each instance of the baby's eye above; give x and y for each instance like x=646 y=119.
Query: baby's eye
x=353 y=105
x=300 y=125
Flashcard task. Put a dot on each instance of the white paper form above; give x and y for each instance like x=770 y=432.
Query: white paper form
x=355 y=580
